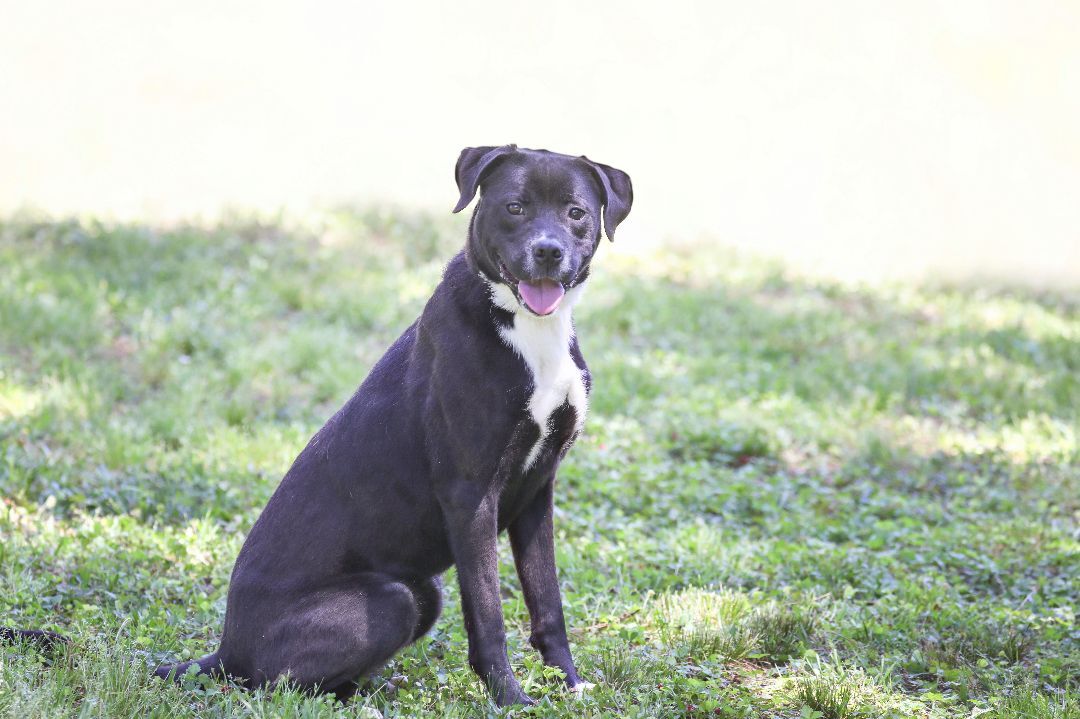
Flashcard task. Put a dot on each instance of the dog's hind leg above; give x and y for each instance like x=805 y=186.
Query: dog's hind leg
x=331 y=636
x=428 y=594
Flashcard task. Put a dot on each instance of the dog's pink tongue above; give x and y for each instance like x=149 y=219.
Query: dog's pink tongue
x=542 y=296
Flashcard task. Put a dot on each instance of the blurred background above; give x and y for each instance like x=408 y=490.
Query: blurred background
x=857 y=140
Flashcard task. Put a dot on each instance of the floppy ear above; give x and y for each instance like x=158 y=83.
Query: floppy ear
x=472 y=163
x=618 y=194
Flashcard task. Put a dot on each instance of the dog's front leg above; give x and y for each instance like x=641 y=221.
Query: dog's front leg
x=472 y=524
x=531 y=537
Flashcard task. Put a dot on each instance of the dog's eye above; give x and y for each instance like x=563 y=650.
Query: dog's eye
x=576 y=213
x=515 y=208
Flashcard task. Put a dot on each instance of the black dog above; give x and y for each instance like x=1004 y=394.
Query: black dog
x=455 y=435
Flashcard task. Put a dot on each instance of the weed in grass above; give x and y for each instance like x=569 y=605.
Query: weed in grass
x=700 y=607
x=965 y=643
x=1026 y=702
x=728 y=643
x=703 y=625
x=620 y=667
x=1012 y=644
x=781 y=631
x=830 y=695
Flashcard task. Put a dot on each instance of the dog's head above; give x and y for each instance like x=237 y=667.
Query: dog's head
x=537 y=223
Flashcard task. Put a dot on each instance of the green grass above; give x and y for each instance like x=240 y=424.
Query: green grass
x=793 y=498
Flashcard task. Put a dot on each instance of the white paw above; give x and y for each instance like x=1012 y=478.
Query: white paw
x=582 y=687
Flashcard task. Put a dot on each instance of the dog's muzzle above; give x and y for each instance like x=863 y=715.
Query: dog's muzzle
x=541 y=296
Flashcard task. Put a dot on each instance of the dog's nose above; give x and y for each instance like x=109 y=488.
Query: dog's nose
x=547 y=253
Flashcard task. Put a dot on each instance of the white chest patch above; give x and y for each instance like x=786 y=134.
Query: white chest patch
x=544 y=344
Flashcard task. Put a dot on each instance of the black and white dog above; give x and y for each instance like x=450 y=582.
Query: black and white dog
x=455 y=435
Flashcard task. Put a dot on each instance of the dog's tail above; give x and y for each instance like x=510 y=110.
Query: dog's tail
x=209 y=665
x=41 y=638
x=51 y=641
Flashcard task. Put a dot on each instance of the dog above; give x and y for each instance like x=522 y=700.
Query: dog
x=454 y=436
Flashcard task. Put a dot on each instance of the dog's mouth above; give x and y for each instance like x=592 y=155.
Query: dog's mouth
x=541 y=297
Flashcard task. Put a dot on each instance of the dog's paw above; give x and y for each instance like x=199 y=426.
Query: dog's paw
x=582 y=687
x=513 y=695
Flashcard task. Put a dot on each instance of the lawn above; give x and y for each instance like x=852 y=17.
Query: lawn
x=793 y=497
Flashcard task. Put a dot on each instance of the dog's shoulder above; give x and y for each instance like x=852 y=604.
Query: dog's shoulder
x=461 y=305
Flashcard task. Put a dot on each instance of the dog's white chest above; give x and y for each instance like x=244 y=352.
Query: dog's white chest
x=544 y=344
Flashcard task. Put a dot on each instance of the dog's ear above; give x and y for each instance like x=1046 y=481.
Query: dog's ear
x=472 y=163
x=618 y=194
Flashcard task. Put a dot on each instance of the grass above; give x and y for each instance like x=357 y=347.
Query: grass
x=793 y=497
x=826 y=698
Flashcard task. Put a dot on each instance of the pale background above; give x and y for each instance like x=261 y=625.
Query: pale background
x=860 y=139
